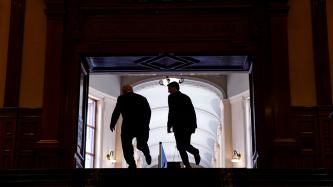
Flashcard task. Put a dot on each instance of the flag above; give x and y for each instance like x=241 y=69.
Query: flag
x=162 y=161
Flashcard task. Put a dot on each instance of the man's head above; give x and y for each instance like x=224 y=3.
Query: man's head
x=173 y=87
x=126 y=88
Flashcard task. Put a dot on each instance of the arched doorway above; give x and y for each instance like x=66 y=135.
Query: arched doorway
x=207 y=101
x=222 y=120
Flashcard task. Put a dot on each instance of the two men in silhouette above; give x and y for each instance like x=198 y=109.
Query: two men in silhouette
x=182 y=121
x=136 y=113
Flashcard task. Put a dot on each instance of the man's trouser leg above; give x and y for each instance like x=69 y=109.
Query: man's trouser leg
x=128 y=151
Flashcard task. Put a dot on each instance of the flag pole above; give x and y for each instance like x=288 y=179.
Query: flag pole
x=160 y=155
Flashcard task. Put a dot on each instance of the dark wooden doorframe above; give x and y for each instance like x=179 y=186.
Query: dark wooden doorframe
x=82 y=117
x=85 y=70
x=101 y=28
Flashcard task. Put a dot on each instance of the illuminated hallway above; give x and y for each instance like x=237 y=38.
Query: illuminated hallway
x=223 y=122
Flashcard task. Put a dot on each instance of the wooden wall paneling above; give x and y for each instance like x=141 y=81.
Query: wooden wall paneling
x=261 y=100
x=280 y=69
x=308 y=141
x=18 y=129
x=27 y=125
x=14 y=57
x=48 y=154
x=165 y=30
x=304 y=122
x=320 y=52
x=285 y=147
x=8 y=121
x=49 y=145
x=209 y=30
x=167 y=25
x=285 y=153
x=325 y=144
x=75 y=85
x=313 y=132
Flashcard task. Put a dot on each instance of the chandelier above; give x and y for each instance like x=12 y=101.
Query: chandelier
x=165 y=81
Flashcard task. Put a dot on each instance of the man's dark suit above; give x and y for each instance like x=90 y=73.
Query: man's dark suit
x=136 y=114
x=181 y=113
x=182 y=119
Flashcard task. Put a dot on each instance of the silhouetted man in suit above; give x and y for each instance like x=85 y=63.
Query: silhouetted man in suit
x=136 y=113
x=182 y=121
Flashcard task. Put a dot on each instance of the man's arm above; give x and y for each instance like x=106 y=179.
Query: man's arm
x=147 y=112
x=193 y=115
x=170 y=115
x=115 y=116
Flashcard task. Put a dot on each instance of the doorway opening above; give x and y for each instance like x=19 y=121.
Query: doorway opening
x=219 y=87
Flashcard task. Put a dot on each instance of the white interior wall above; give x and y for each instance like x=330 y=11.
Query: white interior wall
x=105 y=139
x=227 y=134
x=239 y=128
x=231 y=137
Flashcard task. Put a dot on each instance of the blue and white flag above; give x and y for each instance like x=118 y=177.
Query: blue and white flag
x=162 y=161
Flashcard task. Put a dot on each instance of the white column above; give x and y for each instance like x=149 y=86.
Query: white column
x=226 y=135
x=239 y=127
x=248 y=132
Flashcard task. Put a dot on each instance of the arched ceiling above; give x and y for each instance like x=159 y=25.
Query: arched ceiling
x=206 y=100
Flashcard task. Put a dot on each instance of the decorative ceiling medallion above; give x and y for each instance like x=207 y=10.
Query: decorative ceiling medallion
x=166 y=62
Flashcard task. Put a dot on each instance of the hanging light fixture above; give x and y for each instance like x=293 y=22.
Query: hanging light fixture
x=236 y=157
x=110 y=156
x=165 y=81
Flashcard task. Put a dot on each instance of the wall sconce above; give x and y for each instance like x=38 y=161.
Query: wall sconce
x=110 y=156
x=236 y=157
x=165 y=81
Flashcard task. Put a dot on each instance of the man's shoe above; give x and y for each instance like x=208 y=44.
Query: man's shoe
x=197 y=158
x=148 y=159
x=187 y=166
